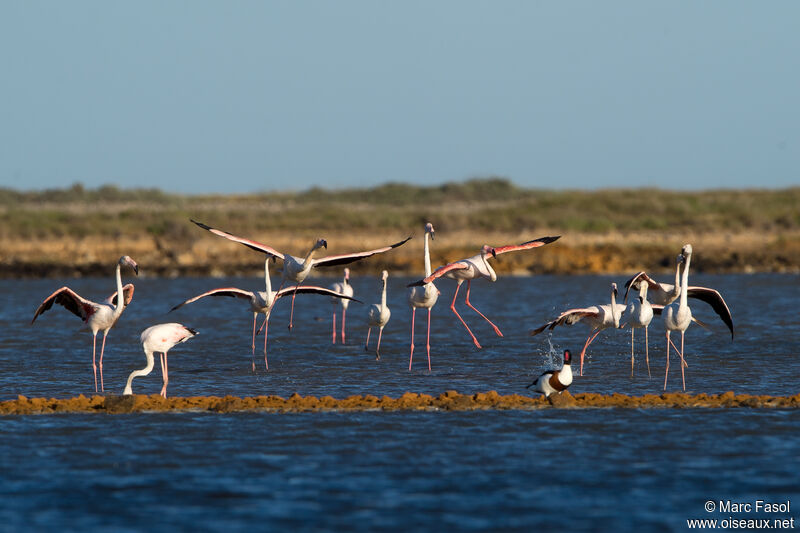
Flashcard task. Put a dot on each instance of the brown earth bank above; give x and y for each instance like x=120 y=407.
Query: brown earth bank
x=447 y=401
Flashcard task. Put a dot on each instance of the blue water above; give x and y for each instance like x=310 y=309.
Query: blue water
x=489 y=471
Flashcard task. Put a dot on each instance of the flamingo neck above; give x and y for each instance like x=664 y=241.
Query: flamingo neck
x=492 y=273
x=685 y=281
x=267 y=282
x=614 y=315
x=120 y=304
x=383 y=296
x=427 y=256
x=143 y=372
x=677 y=287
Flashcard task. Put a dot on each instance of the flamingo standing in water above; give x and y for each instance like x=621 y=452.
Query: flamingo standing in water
x=598 y=317
x=160 y=338
x=680 y=318
x=345 y=289
x=474 y=267
x=639 y=315
x=296 y=269
x=424 y=297
x=262 y=302
x=378 y=317
x=98 y=316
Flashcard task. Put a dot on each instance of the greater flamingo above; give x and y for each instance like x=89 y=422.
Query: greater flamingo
x=159 y=338
x=639 y=315
x=98 y=316
x=424 y=297
x=262 y=302
x=343 y=288
x=679 y=320
x=598 y=317
x=296 y=269
x=555 y=380
x=378 y=316
x=474 y=267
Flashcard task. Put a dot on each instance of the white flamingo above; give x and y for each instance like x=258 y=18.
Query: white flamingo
x=598 y=317
x=378 y=316
x=159 y=339
x=262 y=302
x=424 y=297
x=639 y=314
x=98 y=316
x=680 y=318
x=474 y=267
x=296 y=269
x=343 y=288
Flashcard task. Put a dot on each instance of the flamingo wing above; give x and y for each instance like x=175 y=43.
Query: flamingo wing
x=232 y=292
x=72 y=302
x=127 y=295
x=253 y=245
x=343 y=259
x=526 y=245
x=715 y=300
x=633 y=283
x=313 y=289
x=567 y=317
x=439 y=272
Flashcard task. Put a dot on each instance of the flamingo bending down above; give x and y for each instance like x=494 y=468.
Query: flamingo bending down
x=159 y=338
x=378 y=316
x=343 y=288
x=474 y=267
x=424 y=297
x=296 y=269
x=598 y=317
x=639 y=315
x=262 y=302
x=98 y=316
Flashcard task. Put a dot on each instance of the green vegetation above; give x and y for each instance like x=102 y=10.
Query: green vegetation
x=493 y=204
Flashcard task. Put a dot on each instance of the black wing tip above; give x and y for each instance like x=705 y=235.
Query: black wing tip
x=204 y=226
x=548 y=240
x=193 y=331
x=419 y=283
x=401 y=243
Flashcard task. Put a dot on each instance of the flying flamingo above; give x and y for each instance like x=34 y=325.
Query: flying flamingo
x=665 y=293
x=378 y=316
x=639 y=315
x=98 y=316
x=160 y=338
x=598 y=317
x=345 y=289
x=474 y=267
x=296 y=269
x=262 y=302
x=424 y=297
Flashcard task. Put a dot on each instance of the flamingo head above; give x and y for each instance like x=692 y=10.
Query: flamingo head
x=384 y=275
x=321 y=243
x=126 y=260
x=429 y=229
x=687 y=250
x=346 y=273
x=614 y=289
x=681 y=258
x=567 y=357
x=488 y=250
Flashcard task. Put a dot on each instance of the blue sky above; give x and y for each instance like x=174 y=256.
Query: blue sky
x=244 y=96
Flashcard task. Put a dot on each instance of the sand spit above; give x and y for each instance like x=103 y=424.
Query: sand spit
x=447 y=401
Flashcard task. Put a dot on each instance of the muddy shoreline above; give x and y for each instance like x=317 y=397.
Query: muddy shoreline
x=447 y=401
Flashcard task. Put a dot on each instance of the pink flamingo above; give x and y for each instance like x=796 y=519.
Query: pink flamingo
x=297 y=269
x=345 y=289
x=378 y=316
x=474 y=267
x=98 y=316
x=424 y=297
x=262 y=302
x=160 y=338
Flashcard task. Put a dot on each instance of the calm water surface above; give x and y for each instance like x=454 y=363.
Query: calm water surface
x=593 y=469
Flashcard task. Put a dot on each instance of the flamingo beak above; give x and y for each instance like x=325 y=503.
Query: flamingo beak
x=494 y=253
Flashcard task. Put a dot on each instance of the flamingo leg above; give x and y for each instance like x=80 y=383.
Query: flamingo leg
x=411 y=357
x=496 y=329
x=378 y=348
x=647 y=352
x=366 y=344
x=94 y=366
x=334 y=326
x=683 y=377
x=253 y=354
x=683 y=363
x=666 y=372
x=265 y=325
x=291 y=313
x=588 y=342
x=428 y=341
x=164 y=377
x=102 y=350
x=632 y=329
x=453 y=308
x=344 y=312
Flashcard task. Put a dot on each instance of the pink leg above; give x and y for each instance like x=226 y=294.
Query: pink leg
x=666 y=372
x=632 y=352
x=102 y=350
x=647 y=352
x=428 y=342
x=265 y=325
x=164 y=374
x=94 y=365
x=344 y=312
x=411 y=357
x=496 y=329
x=683 y=363
x=253 y=355
x=378 y=348
x=334 y=326
x=291 y=313
x=366 y=344
x=585 y=346
x=453 y=309
x=683 y=377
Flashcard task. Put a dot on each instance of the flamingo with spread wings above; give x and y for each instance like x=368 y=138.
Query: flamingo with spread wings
x=475 y=267
x=262 y=302
x=297 y=269
x=98 y=316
